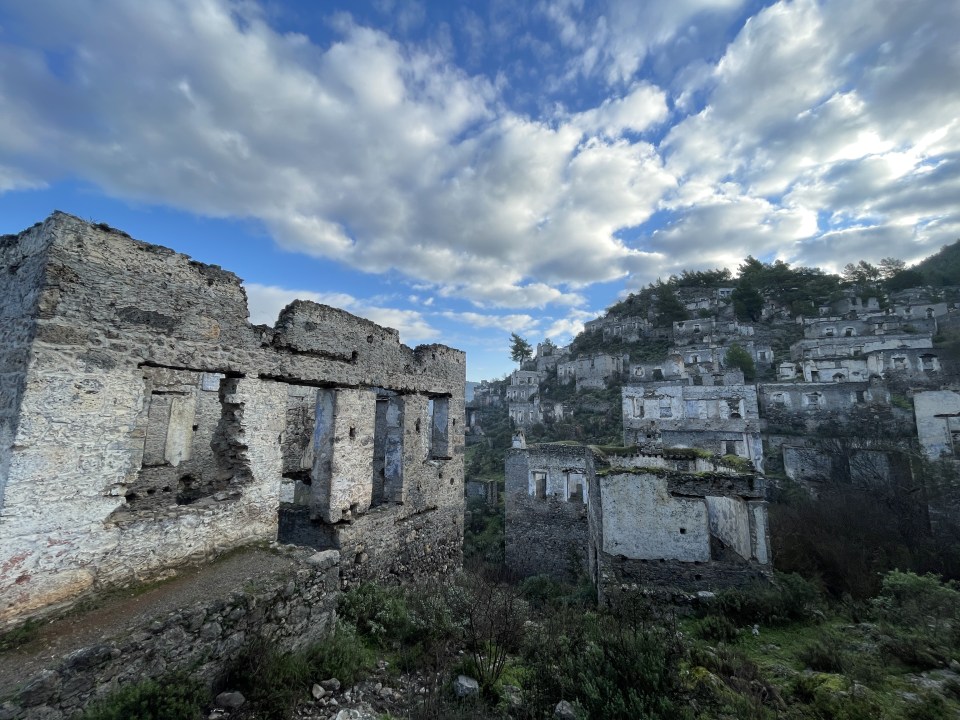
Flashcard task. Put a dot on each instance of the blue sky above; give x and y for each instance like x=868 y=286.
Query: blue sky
x=461 y=171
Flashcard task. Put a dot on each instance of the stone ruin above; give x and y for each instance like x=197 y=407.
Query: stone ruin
x=145 y=424
x=663 y=520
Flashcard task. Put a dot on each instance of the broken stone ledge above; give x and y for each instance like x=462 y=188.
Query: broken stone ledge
x=287 y=597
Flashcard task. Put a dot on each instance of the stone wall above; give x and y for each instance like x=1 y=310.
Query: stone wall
x=546 y=525
x=157 y=426
x=676 y=530
x=292 y=607
x=23 y=260
x=938 y=422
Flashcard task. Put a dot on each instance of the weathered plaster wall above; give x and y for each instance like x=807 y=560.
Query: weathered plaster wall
x=157 y=426
x=22 y=265
x=642 y=521
x=730 y=523
x=635 y=538
x=938 y=421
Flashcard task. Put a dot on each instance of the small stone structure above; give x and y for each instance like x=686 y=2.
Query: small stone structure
x=145 y=423
x=657 y=519
x=661 y=528
x=545 y=508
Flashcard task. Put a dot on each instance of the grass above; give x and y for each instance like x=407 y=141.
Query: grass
x=20 y=636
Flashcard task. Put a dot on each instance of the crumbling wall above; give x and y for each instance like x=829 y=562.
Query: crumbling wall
x=546 y=523
x=156 y=426
x=293 y=606
x=938 y=422
x=642 y=521
x=22 y=265
x=676 y=530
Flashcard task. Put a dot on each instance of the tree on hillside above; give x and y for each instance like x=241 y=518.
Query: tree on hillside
x=739 y=358
x=747 y=302
x=520 y=350
x=669 y=307
x=890 y=266
x=863 y=274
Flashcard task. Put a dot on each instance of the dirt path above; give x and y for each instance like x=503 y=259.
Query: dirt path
x=117 y=613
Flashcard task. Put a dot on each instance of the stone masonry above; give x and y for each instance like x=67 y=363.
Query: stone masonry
x=145 y=423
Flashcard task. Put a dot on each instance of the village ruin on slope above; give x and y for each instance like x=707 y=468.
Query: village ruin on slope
x=682 y=502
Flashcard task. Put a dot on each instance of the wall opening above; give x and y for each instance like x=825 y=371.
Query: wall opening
x=538 y=484
x=439 y=408
x=192 y=450
x=387 y=449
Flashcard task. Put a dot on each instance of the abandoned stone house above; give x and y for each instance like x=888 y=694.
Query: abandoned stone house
x=630 y=518
x=721 y=419
x=857 y=346
x=524 y=384
x=937 y=415
x=592 y=371
x=626 y=329
x=146 y=423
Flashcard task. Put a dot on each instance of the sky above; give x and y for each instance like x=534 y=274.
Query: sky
x=464 y=170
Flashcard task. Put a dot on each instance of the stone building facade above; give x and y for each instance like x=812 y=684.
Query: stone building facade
x=545 y=495
x=629 y=517
x=937 y=415
x=661 y=528
x=722 y=419
x=146 y=423
x=592 y=371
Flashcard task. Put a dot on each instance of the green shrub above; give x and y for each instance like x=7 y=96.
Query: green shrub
x=175 y=697
x=613 y=665
x=920 y=618
x=273 y=682
x=717 y=628
x=930 y=706
x=826 y=654
x=789 y=598
x=343 y=655
x=377 y=612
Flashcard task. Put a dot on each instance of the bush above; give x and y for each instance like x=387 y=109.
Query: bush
x=717 y=628
x=176 y=697
x=787 y=599
x=271 y=681
x=826 y=654
x=343 y=656
x=377 y=612
x=614 y=665
x=490 y=617
x=274 y=682
x=920 y=617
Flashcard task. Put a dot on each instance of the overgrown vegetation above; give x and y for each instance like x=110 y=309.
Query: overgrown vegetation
x=173 y=697
x=780 y=650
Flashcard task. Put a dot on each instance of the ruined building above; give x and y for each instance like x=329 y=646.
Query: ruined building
x=666 y=519
x=145 y=423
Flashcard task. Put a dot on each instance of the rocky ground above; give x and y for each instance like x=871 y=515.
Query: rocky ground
x=383 y=693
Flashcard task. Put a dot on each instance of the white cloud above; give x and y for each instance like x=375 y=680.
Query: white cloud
x=266 y=302
x=516 y=323
x=834 y=124
x=822 y=130
x=562 y=330
x=376 y=154
x=614 y=38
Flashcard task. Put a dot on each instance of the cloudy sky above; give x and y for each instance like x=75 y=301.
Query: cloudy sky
x=465 y=170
